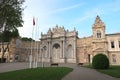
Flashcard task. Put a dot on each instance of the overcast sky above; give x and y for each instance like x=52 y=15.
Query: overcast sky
x=80 y=14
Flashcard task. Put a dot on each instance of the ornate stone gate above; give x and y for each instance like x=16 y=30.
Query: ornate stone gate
x=59 y=45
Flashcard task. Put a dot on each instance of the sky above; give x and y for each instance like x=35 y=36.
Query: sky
x=79 y=14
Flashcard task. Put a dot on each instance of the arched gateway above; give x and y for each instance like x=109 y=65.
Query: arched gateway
x=60 y=45
x=56 y=53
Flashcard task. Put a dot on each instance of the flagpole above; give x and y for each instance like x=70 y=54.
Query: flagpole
x=37 y=32
x=34 y=59
x=30 y=65
x=30 y=57
x=35 y=46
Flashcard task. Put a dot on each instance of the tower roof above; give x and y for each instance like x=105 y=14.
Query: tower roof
x=98 y=22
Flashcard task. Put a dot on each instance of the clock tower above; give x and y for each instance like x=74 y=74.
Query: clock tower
x=99 y=41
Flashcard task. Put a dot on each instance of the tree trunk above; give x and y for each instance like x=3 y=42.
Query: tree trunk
x=4 y=49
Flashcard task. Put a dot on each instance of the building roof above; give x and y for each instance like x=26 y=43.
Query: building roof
x=112 y=34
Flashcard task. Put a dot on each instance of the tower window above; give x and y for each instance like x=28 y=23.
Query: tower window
x=112 y=44
x=98 y=34
x=113 y=58
x=119 y=43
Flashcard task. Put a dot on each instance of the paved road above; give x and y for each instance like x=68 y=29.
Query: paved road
x=79 y=73
x=5 y=67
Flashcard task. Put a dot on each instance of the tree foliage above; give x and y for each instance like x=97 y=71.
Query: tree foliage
x=6 y=36
x=11 y=14
x=10 y=20
x=26 y=39
x=100 y=61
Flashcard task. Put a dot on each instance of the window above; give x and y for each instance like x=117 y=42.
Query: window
x=45 y=55
x=70 y=51
x=119 y=43
x=98 y=34
x=0 y=49
x=112 y=44
x=113 y=58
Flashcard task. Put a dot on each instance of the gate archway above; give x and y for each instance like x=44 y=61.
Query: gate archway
x=56 y=53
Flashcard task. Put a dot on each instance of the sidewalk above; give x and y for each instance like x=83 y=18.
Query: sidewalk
x=81 y=73
x=5 y=67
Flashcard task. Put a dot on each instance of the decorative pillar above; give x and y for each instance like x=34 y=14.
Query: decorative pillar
x=48 y=50
x=75 y=54
x=74 y=48
x=63 y=49
x=61 y=52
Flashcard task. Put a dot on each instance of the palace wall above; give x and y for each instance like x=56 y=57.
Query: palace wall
x=62 y=46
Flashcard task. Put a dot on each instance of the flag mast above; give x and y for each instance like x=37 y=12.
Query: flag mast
x=37 y=44
x=35 y=52
x=30 y=56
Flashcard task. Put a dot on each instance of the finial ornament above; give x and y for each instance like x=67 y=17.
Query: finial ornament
x=74 y=29
x=41 y=33
x=56 y=26
x=98 y=20
x=49 y=31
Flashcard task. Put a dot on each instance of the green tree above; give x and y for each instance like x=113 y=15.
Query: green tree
x=6 y=36
x=15 y=33
x=100 y=61
x=11 y=14
x=10 y=20
x=27 y=39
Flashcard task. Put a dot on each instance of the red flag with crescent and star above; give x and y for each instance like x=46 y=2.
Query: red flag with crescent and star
x=33 y=21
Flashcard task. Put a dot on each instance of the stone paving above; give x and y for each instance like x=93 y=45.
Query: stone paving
x=79 y=73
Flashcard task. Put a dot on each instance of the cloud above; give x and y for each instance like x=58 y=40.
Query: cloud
x=109 y=8
x=115 y=6
x=47 y=12
x=101 y=9
x=90 y=14
x=66 y=8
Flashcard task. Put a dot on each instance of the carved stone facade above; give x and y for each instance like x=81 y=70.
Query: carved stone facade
x=99 y=42
x=59 y=45
x=62 y=46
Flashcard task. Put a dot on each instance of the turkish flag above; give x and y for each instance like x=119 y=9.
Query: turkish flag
x=33 y=21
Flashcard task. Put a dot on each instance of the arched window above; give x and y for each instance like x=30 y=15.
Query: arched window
x=56 y=45
x=113 y=58
x=119 y=43
x=98 y=34
x=56 y=51
x=69 y=52
x=45 y=55
x=0 y=50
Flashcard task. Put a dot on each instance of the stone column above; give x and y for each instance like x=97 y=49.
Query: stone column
x=50 y=47
x=91 y=56
x=48 y=50
x=63 y=48
x=60 y=50
x=74 y=48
